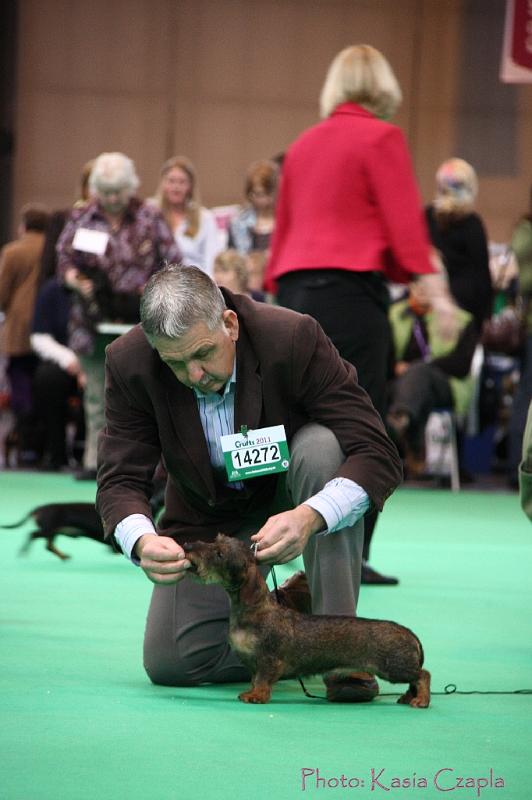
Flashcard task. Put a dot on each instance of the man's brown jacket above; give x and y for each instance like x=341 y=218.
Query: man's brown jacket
x=288 y=372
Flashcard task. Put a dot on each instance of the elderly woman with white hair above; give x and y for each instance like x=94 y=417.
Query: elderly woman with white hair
x=349 y=218
x=458 y=233
x=108 y=250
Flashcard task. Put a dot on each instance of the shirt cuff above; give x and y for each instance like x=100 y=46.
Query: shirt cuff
x=128 y=532
x=341 y=503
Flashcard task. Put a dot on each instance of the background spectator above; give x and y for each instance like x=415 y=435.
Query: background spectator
x=106 y=253
x=57 y=223
x=59 y=378
x=252 y=228
x=256 y=264
x=230 y=271
x=194 y=227
x=430 y=372
x=19 y=278
x=457 y=232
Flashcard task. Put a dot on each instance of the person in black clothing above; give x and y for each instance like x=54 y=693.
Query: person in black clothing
x=58 y=379
x=458 y=233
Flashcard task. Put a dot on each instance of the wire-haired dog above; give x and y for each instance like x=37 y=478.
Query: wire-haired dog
x=276 y=642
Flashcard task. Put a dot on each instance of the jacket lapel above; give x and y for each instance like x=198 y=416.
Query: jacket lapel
x=248 y=400
x=186 y=421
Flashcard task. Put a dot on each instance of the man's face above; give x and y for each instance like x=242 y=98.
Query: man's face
x=202 y=359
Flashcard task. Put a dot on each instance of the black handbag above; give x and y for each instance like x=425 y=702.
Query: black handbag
x=505 y=332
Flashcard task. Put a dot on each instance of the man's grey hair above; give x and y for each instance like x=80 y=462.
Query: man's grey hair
x=176 y=298
x=113 y=171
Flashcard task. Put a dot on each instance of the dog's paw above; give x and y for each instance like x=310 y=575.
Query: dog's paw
x=419 y=702
x=253 y=697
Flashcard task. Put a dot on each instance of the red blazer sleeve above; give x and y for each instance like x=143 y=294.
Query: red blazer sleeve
x=391 y=177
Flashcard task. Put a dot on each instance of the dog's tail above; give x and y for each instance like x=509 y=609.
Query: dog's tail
x=20 y=522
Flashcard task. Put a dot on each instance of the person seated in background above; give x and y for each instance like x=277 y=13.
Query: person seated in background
x=252 y=228
x=429 y=371
x=194 y=227
x=230 y=271
x=59 y=378
x=457 y=231
x=20 y=263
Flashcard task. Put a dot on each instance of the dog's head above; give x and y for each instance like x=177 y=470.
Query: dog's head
x=225 y=561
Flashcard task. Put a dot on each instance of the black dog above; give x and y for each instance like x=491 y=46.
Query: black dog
x=79 y=519
x=68 y=519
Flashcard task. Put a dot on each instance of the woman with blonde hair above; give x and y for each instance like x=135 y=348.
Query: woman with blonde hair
x=349 y=218
x=457 y=232
x=194 y=227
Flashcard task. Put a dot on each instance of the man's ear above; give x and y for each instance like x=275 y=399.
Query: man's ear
x=230 y=321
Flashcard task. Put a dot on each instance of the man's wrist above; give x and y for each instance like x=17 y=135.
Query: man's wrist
x=312 y=519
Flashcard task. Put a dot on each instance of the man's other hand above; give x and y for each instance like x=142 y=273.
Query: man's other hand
x=284 y=536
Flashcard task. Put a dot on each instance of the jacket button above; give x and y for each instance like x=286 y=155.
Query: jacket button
x=210 y=502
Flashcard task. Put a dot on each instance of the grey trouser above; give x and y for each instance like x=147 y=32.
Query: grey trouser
x=186 y=642
x=93 y=398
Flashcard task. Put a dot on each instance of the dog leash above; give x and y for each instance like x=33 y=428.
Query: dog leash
x=255 y=547
x=276 y=591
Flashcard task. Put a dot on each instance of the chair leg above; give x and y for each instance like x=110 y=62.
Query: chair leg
x=455 y=467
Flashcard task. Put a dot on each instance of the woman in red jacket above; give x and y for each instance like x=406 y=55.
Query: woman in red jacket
x=349 y=218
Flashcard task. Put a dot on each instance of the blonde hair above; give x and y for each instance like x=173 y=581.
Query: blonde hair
x=192 y=206
x=456 y=188
x=360 y=74
x=233 y=261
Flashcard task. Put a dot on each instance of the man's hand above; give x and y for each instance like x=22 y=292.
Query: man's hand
x=162 y=559
x=285 y=535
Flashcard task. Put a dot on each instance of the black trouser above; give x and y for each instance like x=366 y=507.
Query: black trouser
x=352 y=309
x=421 y=389
x=52 y=388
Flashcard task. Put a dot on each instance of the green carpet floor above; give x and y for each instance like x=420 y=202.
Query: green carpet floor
x=80 y=720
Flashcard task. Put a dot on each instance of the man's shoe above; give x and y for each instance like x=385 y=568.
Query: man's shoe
x=294 y=593
x=359 y=687
x=371 y=576
x=86 y=475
